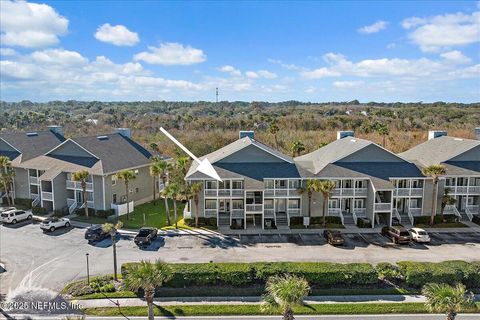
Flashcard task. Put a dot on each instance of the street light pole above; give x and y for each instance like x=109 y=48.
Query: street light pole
x=88 y=270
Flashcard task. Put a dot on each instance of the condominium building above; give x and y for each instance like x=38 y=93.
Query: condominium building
x=461 y=158
x=45 y=174
x=260 y=186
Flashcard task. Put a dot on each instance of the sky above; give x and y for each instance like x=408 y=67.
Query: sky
x=387 y=51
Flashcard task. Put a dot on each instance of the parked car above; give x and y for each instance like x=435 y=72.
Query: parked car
x=145 y=236
x=13 y=216
x=398 y=234
x=95 y=233
x=419 y=235
x=51 y=224
x=334 y=237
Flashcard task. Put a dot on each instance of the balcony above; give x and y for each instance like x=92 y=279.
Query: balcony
x=383 y=206
x=415 y=211
x=269 y=213
x=360 y=211
x=210 y=213
x=76 y=185
x=349 y=192
x=238 y=213
x=47 y=195
x=33 y=180
x=224 y=192
x=406 y=192
x=254 y=207
x=294 y=212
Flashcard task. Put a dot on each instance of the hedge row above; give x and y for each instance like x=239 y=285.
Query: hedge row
x=438 y=219
x=323 y=274
x=237 y=274
x=417 y=274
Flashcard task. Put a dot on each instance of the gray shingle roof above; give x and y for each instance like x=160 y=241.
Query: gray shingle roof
x=31 y=146
x=439 y=150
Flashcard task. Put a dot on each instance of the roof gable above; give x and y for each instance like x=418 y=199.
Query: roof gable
x=30 y=145
x=251 y=153
x=372 y=153
x=470 y=155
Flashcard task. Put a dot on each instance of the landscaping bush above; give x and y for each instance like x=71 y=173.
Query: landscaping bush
x=389 y=272
x=22 y=202
x=417 y=274
x=321 y=273
x=81 y=212
x=476 y=219
x=364 y=223
x=328 y=219
x=104 y=213
x=449 y=218
x=294 y=221
x=39 y=210
x=189 y=222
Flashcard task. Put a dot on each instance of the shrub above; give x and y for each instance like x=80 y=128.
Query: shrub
x=39 y=210
x=296 y=221
x=104 y=213
x=389 y=272
x=27 y=203
x=189 y=222
x=476 y=219
x=328 y=219
x=81 y=211
x=364 y=223
x=417 y=274
x=438 y=219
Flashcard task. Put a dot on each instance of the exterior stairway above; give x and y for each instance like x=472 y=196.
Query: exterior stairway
x=348 y=219
x=404 y=219
x=224 y=219
x=281 y=219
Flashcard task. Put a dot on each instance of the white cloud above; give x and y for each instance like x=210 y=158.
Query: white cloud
x=171 y=54
x=230 y=69
x=455 y=56
x=59 y=57
x=373 y=28
x=391 y=45
x=7 y=52
x=320 y=73
x=267 y=74
x=30 y=25
x=444 y=31
x=252 y=74
x=347 y=84
x=288 y=66
x=118 y=35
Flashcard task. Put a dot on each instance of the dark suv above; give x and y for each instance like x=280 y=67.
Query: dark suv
x=95 y=233
x=334 y=237
x=398 y=234
x=145 y=236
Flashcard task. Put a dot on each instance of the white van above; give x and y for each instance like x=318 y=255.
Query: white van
x=14 y=216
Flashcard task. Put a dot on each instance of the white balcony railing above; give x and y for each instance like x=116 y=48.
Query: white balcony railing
x=47 y=195
x=224 y=192
x=33 y=180
x=360 y=212
x=238 y=213
x=383 y=206
x=362 y=192
x=405 y=192
x=474 y=189
x=211 y=192
x=350 y=192
x=280 y=192
x=416 y=192
x=415 y=211
x=253 y=207
x=237 y=192
x=76 y=185
x=210 y=213
x=269 y=213
x=461 y=189
x=294 y=212
x=33 y=195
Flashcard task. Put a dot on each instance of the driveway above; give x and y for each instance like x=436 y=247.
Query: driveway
x=49 y=260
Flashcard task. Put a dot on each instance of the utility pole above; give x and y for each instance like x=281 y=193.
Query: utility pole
x=216 y=93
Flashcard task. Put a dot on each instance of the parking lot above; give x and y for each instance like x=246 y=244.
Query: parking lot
x=50 y=260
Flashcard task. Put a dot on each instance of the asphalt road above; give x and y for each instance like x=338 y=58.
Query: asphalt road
x=50 y=260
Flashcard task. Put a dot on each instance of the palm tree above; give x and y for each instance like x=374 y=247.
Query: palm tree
x=283 y=293
x=435 y=171
x=164 y=168
x=112 y=230
x=297 y=147
x=311 y=186
x=326 y=187
x=126 y=176
x=447 y=200
x=155 y=172
x=195 y=190
x=182 y=165
x=147 y=276
x=173 y=190
x=383 y=130
x=442 y=297
x=82 y=176
x=5 y=165
x=273 y=129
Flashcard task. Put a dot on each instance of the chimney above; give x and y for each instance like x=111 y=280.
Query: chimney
x=243 y=134
x=126 y=132
x=477 y=133
x=56 y=129
x=432 y=134
x=343 y=134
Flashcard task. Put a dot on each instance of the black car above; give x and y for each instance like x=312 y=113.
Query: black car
x=398 y=234
x=95 y=233
x=334 y=237
x=145 y=236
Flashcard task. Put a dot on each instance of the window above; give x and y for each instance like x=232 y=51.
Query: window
x=211 y=185
x=417 y=184
x=114 y=180
x=114 y=198
x=210 y=204
x=347 y=184
x=237 y=185
x=293 y=203
x=360 y=184
x=333 y=203
x=137 y=190
x=293 y=184
x=225 y=184
x=280 y=184
x=237 y=204
x=359 y=204
x=268 y=184
x=268 y=204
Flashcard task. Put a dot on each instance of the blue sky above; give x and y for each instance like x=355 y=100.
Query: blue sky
x=274 y=51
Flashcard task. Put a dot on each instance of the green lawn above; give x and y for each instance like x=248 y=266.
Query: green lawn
x=154 y=215
x=232 y=310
